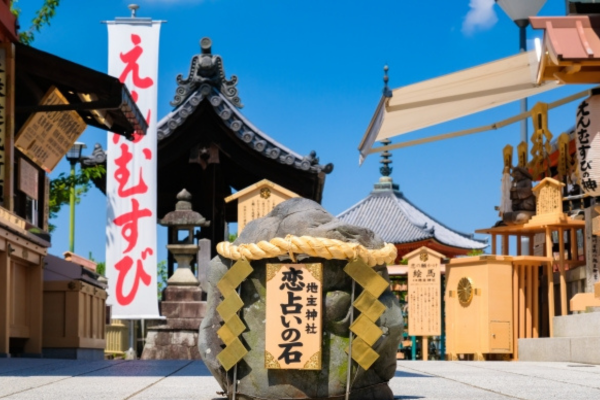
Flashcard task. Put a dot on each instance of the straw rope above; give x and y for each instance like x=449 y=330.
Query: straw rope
x=312 y=246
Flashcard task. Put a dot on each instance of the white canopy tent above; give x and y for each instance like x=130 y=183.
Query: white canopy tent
x=452 y=96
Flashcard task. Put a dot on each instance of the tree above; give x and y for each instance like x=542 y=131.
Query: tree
x=60 y=188
x=42 y=17
x=162 y=276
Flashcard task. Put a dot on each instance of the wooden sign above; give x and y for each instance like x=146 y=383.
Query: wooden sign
x=28 y=179
x=424 y=293
x=548 y=203
x=47 y=136
x=294 y=316
x=258 y=200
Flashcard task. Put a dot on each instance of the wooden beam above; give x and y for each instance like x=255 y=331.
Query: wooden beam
x=536 y=302
x=493 y=244
x=505 y=245
x=529 y=301
x=522 y=269
x=563 y=274
x=4 y=303
x=550 y=283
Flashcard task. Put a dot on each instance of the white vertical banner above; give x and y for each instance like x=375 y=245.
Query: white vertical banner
x=131 y=175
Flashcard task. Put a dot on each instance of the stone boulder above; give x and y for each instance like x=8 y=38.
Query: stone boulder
x=302 y=217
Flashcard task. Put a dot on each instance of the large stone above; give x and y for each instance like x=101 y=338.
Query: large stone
x=302 y=217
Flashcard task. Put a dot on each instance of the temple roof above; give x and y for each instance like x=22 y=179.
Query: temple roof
x=396 y=220
x=206 y=81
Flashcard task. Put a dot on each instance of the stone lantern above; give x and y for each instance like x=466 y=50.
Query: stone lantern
x=182 y=304
x=183 y=220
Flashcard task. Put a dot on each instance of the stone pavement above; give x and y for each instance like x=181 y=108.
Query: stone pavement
x=67 y=379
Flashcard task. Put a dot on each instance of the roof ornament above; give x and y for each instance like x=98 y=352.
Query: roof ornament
x=385 y=168
x=206 y=68
x=133 y=8
x=386 y=90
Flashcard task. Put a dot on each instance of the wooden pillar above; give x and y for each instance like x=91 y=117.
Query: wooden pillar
x=505 y=246
x=522 y=269
x=563 y=274
x=529 y=301
x=550 y=283
x=536 y=302
x=574 y=254
x=515 y=291
x=519 y=250
x=493 y=244
x=425 y=348
x=4 y=303
x=36 y=288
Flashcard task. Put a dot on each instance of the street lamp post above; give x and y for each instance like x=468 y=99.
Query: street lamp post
x=520 y=11
x=73 y=156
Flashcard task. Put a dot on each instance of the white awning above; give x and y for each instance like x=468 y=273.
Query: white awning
x=452 y=96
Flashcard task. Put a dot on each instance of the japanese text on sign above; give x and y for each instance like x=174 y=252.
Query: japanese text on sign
x=294 y=320
x=47 y=136
x=424 y=296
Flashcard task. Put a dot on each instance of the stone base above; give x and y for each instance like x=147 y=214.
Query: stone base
x=177 y=339
x=74 y=354
x=171 y=345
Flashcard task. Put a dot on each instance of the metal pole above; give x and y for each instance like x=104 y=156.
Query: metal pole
x=72 y=210
x=413 y=349
x=349 y=373
x=522 y=48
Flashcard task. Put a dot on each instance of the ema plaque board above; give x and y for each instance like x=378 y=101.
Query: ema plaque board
x=47 y=136
x=424 y=293
x=294 y=316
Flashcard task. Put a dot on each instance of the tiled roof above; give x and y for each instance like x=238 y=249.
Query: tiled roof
x=396 y=220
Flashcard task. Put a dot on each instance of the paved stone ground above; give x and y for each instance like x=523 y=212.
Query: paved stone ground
x=66 y=379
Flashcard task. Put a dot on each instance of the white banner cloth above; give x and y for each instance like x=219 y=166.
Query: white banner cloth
x=587 y=133
x=131 y=178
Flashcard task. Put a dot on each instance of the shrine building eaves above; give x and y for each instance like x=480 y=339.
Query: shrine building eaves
x=206 y=81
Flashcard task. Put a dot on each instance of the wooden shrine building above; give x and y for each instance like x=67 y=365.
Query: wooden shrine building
x=206 y=145
x=387 y=212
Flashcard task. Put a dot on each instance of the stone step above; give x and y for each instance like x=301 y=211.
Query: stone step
x=577 y=325
x=576 y=350
x=182 y=293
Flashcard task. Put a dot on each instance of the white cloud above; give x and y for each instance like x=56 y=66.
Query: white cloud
x=481 y=16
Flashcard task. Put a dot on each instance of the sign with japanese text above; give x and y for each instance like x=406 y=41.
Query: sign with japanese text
x=294 y=316
x=131 y=176
x=28 y=179
x=587 y=130
x=47 y=136
x=424 y=294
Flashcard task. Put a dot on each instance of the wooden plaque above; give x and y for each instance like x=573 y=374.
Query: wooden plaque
x=294 y=316
x=47 y=136
x=424 y=293
x=28 y=179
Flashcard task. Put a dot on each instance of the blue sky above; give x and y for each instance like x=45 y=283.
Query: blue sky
x=310 y=76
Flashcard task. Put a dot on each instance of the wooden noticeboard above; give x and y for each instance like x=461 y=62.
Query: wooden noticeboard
x=424 y=293
x=47 y=136
x=294 y=316
x=258 y=200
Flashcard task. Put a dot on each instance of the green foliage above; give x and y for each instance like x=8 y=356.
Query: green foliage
x=60 y=188
x=100 y=266
x=162 y=276
x=232 y=237
x=42 y=17
x=404 y=261
x=475 y=252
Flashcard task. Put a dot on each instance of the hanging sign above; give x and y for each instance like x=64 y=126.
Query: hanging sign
x=131 y=175
x=424 y=293
x=587 y=133
x=47 y=136
x=28 y=179
x=294 y=316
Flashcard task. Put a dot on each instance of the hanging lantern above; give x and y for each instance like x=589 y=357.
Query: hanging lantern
x=587 y=135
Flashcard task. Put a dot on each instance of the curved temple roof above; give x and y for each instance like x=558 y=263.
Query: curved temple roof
x=206 y=82
x=396 y=220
